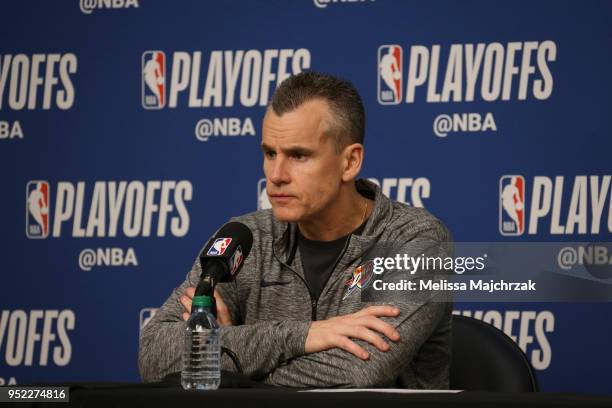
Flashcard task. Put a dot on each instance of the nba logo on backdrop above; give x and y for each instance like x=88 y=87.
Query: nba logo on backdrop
x=37 y=209
x=146 y=315
x=390 y=74
x=512 y=205
x=153 y=79
x=263 y=201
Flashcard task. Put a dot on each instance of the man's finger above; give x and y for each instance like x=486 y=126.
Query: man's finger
x=347 y=345
x=223 y=315
x=224 y=319
x=365 y=334
x=380 y=326
x=185 y=316
x=390 y=311
x=218 y=299
x=186 y=302
x=190 y=292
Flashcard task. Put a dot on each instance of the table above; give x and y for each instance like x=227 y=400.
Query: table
x=164 y=395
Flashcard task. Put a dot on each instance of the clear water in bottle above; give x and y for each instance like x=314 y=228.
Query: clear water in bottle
x=202 y=353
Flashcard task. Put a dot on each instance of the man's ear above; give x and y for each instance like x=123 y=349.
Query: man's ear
x=352 y=159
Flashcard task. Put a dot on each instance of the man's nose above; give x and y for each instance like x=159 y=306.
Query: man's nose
x=279 y=173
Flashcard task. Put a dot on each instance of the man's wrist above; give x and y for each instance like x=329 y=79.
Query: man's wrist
x=296 y=335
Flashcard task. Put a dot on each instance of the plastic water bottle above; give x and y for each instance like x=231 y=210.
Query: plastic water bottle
x=202 y=353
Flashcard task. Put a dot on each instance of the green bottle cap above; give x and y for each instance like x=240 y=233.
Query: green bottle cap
x=202 y=301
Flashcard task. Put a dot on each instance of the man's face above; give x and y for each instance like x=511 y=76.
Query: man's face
x=303 y=170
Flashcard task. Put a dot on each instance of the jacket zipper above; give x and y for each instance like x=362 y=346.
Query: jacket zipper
x=313 y=301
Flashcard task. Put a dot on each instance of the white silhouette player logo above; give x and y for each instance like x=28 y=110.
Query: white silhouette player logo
x=391 y=73
x=219 y=246
x=263 y=201
x=38 y=207
x=154 y=77
x=512 y=202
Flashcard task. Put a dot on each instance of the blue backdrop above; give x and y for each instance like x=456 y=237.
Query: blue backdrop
x=130 y=130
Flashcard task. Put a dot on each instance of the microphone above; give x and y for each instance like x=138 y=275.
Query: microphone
x=223 y=256
x=220 y=261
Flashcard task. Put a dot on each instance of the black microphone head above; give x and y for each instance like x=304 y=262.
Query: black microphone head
x=240 y=232
x=231 y=245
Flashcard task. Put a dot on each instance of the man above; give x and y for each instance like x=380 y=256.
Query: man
x=289 y=316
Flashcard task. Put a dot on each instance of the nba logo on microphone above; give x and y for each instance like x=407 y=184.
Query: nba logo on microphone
x=219 y=246
x=512 y=205
x=236 y=260
x=153 y=79
x=390 y=74
x=37 y=209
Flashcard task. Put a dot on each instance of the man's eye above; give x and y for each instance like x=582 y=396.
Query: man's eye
x=298 y=156
x=270 y=154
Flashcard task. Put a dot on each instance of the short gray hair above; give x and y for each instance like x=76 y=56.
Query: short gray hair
x=346 y=106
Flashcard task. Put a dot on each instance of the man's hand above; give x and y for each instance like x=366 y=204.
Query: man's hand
x=223 y=315
x=338 y=331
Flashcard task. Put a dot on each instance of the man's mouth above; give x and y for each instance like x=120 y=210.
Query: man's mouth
x=280 y=197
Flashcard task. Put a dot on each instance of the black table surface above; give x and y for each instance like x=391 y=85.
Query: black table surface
x=170 y=394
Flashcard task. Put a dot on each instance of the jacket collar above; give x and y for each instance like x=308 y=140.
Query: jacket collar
x=285 y=233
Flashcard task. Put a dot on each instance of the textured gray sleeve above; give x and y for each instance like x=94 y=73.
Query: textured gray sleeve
x=263 y=346
x=260 y=347
x=338 y=368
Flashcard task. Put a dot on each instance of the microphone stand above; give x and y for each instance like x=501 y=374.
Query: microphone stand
x=213 y=273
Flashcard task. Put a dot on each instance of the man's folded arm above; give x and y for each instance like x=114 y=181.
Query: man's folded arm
x=259 y=347
x=338 y=368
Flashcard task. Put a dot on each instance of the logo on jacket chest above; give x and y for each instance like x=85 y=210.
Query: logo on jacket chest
x=360 y=278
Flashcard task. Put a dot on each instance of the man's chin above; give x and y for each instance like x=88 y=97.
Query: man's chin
x=284 y=214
